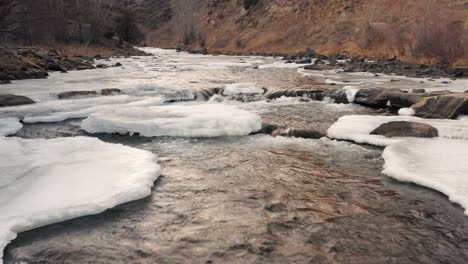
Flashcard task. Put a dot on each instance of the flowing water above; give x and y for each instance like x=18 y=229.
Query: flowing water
x=250 y=199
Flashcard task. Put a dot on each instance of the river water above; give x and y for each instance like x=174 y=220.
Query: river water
x=247 y=199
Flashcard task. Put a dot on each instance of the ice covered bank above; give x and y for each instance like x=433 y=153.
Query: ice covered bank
x=9 y=126
x=437 y=163
x=204 y=120
x=48 y=181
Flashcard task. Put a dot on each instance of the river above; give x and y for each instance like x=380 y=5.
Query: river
x=243 y=199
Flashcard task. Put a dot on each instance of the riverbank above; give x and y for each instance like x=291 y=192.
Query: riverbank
x=22 y=63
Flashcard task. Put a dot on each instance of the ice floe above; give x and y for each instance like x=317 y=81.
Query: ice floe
x=242 y=88
x=9 y=126
x=436 y=163
x=203 y=120
x=48 y=181
x=439 y=164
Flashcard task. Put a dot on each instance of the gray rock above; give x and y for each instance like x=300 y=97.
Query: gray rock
x=56 y=67
x=371 y=97
x=298 y=133
x=401 y=100
x=448 y=106
x=418 y=91
x=406 y=129
x=268 y=129
x=315 y=94
x=107 y=92
x=72 y=94
x=6 y=77
x=14 y=100
x=338 y=95
x=102 y=66
x=304 y=61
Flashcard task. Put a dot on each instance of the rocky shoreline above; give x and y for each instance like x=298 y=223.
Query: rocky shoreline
x=358 y=64
x=36 y=62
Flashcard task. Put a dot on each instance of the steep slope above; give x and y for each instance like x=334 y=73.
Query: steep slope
x=430 y=31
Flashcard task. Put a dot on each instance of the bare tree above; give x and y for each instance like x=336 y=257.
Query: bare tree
x=184 y=11
x=7 y=18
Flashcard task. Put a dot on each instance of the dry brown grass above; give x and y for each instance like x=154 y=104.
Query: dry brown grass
x=371 y=28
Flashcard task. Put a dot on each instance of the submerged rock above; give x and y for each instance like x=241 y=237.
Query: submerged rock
x=13 y=100
x=406 y=129
x=448 y=106
x=71 y=94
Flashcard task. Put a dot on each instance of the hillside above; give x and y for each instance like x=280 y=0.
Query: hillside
x=425 y=31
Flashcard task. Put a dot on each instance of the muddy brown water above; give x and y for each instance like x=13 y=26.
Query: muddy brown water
x=258 y=199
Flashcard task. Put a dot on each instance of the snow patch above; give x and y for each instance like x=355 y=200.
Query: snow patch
x=205 y=120
x=9 y=126
x=48 y=181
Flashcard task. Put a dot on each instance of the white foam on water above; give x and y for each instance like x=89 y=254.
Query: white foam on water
x=437 y=163
x=9 y=126
x=204 y=120
x=45 y=181
x=242 y=88
x=351 y=92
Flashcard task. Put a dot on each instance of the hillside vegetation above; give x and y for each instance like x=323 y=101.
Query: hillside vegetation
x=425 y=31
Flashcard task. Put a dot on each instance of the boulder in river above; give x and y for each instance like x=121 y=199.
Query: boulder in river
x=112 y=91
x=402 y=100
x=298 y=133
x=51 y=66
x=315 y=94
x=406 y=129
x=371 y=97
x=448 y=106
x=338 y=95
x=418 y=91
x=72 y=94
x=14 y=100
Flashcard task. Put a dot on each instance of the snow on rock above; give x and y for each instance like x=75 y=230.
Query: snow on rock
x=436 y=163
x=439 y=164
x=357 y=128
x=406 y=112
x=205 y=120
x=242 y=88
x=48 y=181
x=9 y=126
